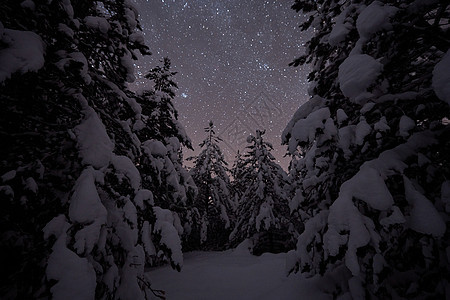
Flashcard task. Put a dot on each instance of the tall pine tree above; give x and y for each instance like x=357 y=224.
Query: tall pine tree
x=163 y=138
x=161 y=161
x=214 y=198
x=263 y=212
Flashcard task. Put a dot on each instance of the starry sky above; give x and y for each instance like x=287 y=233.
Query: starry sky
x=232 y=61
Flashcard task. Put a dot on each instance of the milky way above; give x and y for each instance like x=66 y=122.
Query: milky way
x=232 y=61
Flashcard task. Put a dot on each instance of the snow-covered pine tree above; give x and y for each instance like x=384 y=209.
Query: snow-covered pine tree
x=372 y=180
x=76 y=223
x=214 y=198
x=162 y=139
x=161 y=117
x=263 y=212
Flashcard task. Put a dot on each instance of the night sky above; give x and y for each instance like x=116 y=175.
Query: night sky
x=232 y=61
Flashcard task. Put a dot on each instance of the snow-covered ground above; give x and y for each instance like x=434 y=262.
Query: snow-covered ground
x=234 y=275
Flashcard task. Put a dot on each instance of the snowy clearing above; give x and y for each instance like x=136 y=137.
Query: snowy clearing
x=234 y=275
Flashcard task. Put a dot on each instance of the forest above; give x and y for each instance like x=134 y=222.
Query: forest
x=95 y=192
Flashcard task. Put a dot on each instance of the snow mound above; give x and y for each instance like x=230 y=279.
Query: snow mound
x=374 y=18
x=75 y=276
x=265 y=215
x=10 y=175
x=305 y=129
x=87 y=209
x=85 y=204
x=93 y=141
x=441 y=78
x=346 y=138
x=28 y=4
x=339 y=33
x=424 y=217
x=368 y=185
x=362 y=130
x=97 y=23
x=340 y=29
x=141 y=196
x=77 y=57
x=245 y=247
x=406 y=124
x=154 y=147
x=381 y=125
x=301 y=113
x=169 y=235
x=137 y=37
x=55 y=227
x=127 y=62
x=24 y=52
x=125 y=166
x=341 y=116
x=31 y=185
x=357 y=73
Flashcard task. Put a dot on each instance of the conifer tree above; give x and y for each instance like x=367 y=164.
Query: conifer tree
x=162 y=133
x=263 y=212
x=76 y=217
x=161 y=117
x=371 y=180
x=214 y=199
x=163 y=140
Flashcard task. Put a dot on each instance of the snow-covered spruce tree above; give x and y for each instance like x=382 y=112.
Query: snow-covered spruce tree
x=214 y=199
x=372 y=178
x=162 y=139
x=161 y=117
x=263 y=212
x=75 y=221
